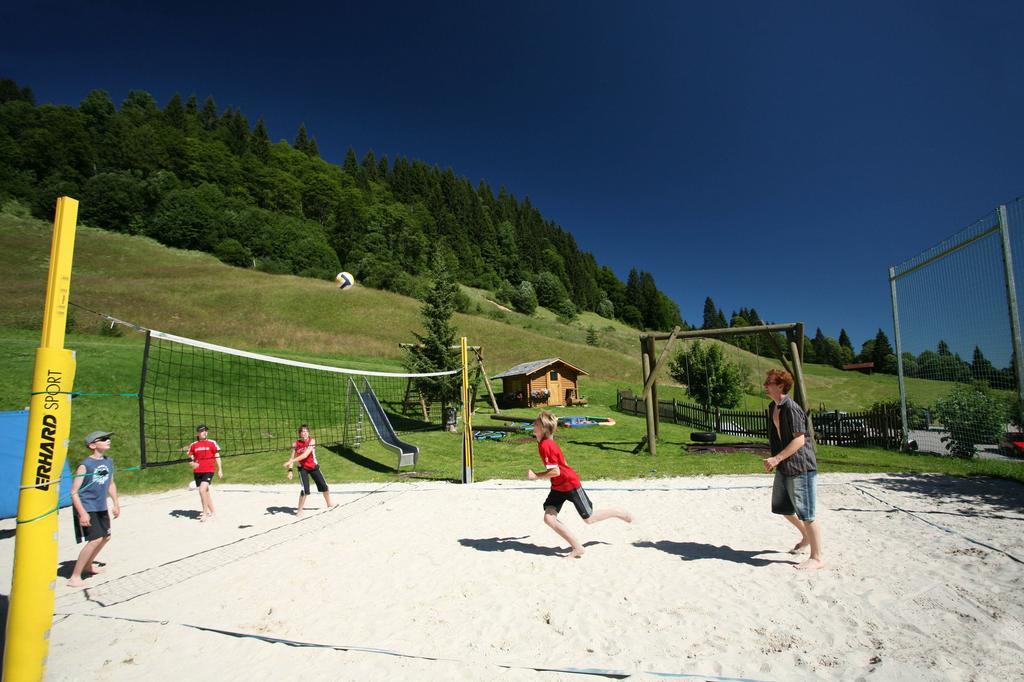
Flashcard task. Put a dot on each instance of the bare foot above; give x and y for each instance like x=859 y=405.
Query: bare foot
x=202 y=518
x=575 y=554
x=810 y=565
x=76 y=582
x=799 y=546
x=627 y=517
x=94 y=569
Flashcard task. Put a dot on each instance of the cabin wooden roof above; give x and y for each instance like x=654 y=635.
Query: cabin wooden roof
x=528 y=368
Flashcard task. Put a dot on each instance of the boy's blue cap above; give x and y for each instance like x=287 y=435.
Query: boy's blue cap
x=96 y=435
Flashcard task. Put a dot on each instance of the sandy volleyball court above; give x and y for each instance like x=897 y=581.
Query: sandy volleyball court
x=436 y=581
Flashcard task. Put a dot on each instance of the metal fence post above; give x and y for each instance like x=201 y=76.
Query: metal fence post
x=899 y=357
x=1011 y=295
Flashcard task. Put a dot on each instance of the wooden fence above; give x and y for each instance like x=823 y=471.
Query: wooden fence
x=877 y=428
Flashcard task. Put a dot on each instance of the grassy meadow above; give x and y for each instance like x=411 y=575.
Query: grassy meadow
x=192 y=294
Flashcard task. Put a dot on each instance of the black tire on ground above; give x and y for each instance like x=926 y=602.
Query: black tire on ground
x=703 y=436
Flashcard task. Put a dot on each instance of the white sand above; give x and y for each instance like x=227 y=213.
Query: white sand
x=700 y=584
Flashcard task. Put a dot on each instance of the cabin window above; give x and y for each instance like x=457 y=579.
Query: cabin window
x=554 y=376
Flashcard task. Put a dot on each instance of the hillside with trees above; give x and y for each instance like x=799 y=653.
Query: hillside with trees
x=193 y=175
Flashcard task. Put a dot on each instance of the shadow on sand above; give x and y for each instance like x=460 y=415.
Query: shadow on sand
x=968 y=494
x=514 y=545
x=693 y=551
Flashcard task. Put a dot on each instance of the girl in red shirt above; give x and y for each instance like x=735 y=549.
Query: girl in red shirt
x=304 y=453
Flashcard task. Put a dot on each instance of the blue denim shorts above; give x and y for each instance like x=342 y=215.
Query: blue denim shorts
x=795 y=494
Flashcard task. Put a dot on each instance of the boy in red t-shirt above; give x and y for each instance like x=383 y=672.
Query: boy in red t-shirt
x=204 y=456
x=565 y=485
x=304 y=452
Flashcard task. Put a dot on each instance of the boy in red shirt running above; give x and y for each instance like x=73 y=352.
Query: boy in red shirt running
x=304 y=452
x=203 y=454
x=565 y=485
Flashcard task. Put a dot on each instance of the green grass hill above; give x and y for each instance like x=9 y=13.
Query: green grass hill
x=193 y=294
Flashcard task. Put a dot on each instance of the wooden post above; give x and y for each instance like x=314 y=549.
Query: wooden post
x=474 y=382
x=652 y=446
x=405 y=398
x=801 y=390
x=659 y=363
x=652 y=364
x=487 y=380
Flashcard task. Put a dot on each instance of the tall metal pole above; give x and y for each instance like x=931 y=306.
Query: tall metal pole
x=1011 y=295
x=467 y=418
x=899 y=357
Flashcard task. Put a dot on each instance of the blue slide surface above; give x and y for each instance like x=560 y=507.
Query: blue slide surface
x=407 y=454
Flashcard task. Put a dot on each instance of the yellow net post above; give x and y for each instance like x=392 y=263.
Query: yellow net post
x=30 y=613
x=467 y=418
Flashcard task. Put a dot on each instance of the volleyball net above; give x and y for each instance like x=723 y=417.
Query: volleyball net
x=254 y=403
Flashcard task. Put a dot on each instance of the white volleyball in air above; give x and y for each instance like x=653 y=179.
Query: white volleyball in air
x=345 y=280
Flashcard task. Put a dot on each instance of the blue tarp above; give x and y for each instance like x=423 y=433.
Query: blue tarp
x=13 y=427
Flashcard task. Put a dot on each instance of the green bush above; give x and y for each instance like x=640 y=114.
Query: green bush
x=525 y=299
x=971 y=415
x=115 y=201
x=550 y=290
x=565 y=310
x=232 y=252
x=505 y=293
x=462 y=302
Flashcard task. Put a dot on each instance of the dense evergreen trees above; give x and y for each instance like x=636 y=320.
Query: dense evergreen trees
x=195 y=176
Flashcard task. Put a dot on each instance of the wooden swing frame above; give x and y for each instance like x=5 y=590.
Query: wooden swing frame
x=653 y=362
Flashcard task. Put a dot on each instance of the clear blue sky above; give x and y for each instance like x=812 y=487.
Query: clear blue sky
x=777 y=155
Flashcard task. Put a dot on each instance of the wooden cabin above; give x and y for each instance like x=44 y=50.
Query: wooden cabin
x=548 y=382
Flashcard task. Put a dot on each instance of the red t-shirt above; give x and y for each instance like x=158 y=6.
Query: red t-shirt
x=551 y=455
x=309 y=461
x=204 y=453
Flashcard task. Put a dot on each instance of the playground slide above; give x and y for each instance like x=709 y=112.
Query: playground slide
x=407 y=454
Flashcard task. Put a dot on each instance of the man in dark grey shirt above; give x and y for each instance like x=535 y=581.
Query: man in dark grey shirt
x=794 y=494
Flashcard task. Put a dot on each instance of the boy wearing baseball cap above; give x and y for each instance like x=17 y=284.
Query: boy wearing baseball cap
x=94 y=482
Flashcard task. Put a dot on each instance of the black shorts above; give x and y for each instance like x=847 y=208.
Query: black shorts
x=98 y=528
x=318 y=478
x=578 y=496
x=203 y=478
